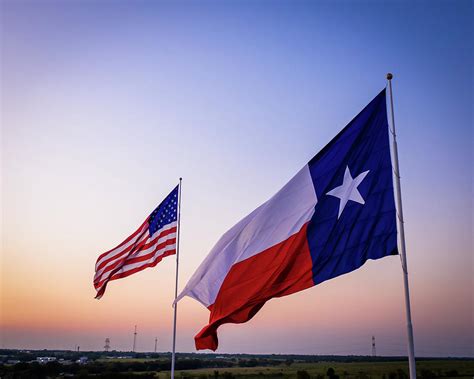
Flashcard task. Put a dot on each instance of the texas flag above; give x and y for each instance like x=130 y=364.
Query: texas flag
x=337 y=212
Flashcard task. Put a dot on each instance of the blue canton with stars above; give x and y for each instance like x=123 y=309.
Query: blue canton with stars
x=165 y=213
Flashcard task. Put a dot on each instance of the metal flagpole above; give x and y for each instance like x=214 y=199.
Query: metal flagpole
x=173 y=355
x=401 y=230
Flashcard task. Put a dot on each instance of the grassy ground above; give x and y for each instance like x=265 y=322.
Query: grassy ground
x=425 y=369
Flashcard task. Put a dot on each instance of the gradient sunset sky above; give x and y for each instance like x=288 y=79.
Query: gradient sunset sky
x=105 y=104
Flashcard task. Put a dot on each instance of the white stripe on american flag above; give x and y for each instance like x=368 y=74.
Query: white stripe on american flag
x=145 y=248
x=113 y=264
x=138 y=252
x=120 y=248
x=145 y=263
x=116 y=274
x=121 y=255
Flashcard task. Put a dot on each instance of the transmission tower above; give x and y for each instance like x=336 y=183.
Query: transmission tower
x=107 y=345
x=374 y=352
x=156 y=342
x=134 y=338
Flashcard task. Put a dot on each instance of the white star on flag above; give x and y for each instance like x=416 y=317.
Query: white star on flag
x=348 y=190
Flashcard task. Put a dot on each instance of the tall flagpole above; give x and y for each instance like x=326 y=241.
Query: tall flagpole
x=401 y=230
x=175 y=305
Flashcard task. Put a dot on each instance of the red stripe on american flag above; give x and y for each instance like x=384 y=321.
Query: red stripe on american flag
x=131 y=260
x=143 y=245
x=142 y=227
x=137 y=269
x=140 y=240
x=142 y=258
x=164 y=241
x=101 y=291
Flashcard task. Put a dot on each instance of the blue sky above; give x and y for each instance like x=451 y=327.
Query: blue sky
x=105 y=104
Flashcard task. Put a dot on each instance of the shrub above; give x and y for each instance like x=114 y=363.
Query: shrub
x=427 y=374
x=302 y=374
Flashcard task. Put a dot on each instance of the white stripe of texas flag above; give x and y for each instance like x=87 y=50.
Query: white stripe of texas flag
x=271 y=223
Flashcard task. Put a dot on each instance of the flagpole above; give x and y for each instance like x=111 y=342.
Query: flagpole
x=175 y=305
x=401 y=231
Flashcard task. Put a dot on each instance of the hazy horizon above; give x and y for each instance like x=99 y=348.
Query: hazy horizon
x=105 y=105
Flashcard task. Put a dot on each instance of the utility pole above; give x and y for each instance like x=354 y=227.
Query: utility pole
x=134 y=339
x=156 y=343
x=107 y=345
x=374 y=352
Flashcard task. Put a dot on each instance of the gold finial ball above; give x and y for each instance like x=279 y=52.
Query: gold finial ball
x=389 y=76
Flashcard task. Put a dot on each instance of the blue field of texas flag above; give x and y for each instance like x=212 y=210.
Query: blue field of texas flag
x=337 y=212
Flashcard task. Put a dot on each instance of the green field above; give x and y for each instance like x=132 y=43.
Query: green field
x=373 y=370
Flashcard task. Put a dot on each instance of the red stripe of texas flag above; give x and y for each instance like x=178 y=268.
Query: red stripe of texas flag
x=278 y=271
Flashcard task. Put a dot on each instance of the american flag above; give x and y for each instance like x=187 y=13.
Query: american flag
x=146 y=247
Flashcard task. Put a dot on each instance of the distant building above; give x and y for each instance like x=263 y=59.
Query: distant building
x=44 y=360
x=82 y=360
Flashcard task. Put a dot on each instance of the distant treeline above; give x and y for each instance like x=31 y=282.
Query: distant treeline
x=29 y=355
